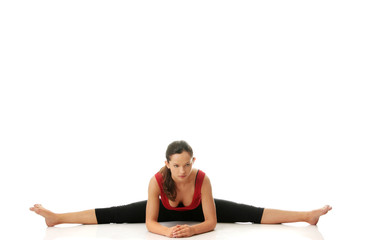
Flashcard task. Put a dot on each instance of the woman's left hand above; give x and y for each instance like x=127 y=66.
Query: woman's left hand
x=183 y=231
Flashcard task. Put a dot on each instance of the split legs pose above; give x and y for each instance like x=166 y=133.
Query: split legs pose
x=269 y=216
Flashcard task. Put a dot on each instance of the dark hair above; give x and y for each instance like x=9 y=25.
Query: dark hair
x=169 y=186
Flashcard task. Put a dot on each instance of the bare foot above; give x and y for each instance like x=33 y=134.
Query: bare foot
x=50 y=217
x=314 y=215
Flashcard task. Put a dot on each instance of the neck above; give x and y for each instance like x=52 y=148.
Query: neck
x=182 y=183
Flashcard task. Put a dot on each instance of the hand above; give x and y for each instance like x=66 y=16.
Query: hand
x=171 y=230
x=182 y=231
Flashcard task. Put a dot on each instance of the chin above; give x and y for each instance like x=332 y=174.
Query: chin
x=178 y=178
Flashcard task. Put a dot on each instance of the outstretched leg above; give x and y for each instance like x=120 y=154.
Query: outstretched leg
x=228 y=211
x=231 y=212
x=273 y=216
x=52 y=219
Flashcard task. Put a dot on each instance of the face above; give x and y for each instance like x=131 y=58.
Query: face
x=181 y=166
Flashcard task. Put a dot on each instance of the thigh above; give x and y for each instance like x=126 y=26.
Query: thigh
x=230 y=212
x=130 y=213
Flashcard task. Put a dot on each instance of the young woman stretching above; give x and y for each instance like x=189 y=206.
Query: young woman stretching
x=179 y=192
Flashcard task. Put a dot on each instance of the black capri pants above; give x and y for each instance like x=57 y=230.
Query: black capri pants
x=227 y=212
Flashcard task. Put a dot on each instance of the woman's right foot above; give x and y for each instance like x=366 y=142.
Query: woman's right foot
x=50 y=217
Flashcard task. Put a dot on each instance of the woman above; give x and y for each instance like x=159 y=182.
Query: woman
x=179 y=192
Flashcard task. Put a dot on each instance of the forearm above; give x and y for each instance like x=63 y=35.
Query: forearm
x=204 y=227
x=157 y=228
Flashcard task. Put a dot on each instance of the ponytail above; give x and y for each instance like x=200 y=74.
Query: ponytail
x=169 y=186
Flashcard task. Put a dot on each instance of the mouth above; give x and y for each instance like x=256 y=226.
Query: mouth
x=182 y=176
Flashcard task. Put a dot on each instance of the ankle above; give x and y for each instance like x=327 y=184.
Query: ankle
x=59 y=218
x=307 y=216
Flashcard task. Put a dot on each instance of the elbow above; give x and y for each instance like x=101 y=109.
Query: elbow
x=148 y=225
x=213 y=224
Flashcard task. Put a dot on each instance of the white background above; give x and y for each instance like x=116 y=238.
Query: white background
x=271 y=96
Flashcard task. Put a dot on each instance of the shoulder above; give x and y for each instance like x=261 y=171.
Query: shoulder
x=206 y=184
x=206 y=189
x=153 y=185
x=206 y=180
x=202 y=175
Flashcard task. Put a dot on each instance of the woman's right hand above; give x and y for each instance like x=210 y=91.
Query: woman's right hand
x=171 y=230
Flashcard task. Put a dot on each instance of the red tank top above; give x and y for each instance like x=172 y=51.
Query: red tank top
x=197 y=193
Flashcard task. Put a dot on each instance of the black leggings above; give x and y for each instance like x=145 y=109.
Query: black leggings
x=227 y=212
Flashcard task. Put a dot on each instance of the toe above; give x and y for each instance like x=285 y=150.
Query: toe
x=325 y=209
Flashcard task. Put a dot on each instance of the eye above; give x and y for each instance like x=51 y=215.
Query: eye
x=175 y=166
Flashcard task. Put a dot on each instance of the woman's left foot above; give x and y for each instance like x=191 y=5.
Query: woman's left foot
x=313 y=217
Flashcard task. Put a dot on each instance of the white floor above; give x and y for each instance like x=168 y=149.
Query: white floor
x=223 y=231
x=329 y=227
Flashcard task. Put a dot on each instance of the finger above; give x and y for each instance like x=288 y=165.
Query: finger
x=173 y=234
x=177 y=228
x=181 y=233
x=174 y=229
x=184 y=227
x=176 y=233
